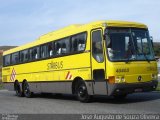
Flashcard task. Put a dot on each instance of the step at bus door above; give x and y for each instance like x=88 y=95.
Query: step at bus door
x=98 y=63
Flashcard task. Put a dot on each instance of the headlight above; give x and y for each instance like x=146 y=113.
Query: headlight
x=120 y=79
x=154 y=76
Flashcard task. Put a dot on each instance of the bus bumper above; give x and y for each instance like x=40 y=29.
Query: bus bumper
x=126 y=88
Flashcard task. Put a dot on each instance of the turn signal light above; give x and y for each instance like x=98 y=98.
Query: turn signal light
x=154 y=76
x=111 y=79
x=120 y=79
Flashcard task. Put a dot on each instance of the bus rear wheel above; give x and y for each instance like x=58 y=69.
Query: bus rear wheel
x=18 y=89
x=26 y=89
x=82 y=93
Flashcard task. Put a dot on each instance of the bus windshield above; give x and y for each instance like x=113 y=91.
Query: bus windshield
x=128 y=44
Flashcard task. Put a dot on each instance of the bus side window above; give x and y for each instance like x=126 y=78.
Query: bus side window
x=34 y=53
x=65 y=45
x=50 y=50
x=43 y=51
x=7 y=60
x=64 y=49
x=74 y=45
x=58 y=48
x=23 y=56
x=78 y=42
x=15 y=58
x=81 y=45
x=31 y=54
x=26 y=56
x=62 y=46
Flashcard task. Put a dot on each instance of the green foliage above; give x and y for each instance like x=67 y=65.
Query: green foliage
x=157 y=48
x=1 y=86
x=158 y=87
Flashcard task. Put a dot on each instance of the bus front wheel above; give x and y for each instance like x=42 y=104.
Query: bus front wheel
x=26 y=90
x=82 y=93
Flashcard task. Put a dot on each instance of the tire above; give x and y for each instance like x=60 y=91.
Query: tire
x=26 y=89
x=120 y=97
x=18 y=90
x=82 y=93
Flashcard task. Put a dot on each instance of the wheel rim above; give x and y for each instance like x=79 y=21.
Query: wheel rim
x=26 y=90
x=82 y=91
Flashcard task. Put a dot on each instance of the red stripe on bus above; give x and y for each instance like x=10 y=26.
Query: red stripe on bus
x=67 y=75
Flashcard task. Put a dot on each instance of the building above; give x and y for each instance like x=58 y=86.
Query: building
x=1 y=51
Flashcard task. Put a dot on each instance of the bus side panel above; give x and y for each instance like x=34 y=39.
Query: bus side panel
x=35 y=87
x=52 y=75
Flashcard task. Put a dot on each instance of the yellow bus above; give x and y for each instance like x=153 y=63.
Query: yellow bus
x=113 y=58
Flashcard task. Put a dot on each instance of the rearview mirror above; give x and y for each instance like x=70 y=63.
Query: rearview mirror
x=151 y=38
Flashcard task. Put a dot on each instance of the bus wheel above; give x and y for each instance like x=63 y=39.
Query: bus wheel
x=26 y=90
x=82 y=93
x=120 y=97
x=18 y=89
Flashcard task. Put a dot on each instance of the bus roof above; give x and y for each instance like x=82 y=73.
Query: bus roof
x=73 y=29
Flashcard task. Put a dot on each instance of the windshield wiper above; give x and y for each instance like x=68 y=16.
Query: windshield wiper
x=132 y=58
x=127 y=60
x=146 y=57
x=129 y=52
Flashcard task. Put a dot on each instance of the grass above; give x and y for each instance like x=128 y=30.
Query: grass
x=158 y=87
x=1 y=86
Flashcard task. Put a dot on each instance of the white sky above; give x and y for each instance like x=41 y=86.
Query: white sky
x=23 y=21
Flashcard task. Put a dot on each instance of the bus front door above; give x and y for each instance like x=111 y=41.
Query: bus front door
x=98 y=63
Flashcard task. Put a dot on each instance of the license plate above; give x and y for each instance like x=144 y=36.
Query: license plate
x=138 y=90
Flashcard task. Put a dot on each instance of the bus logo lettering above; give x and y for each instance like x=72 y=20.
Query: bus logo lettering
x=55 y=65
x=122 y=70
